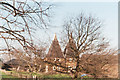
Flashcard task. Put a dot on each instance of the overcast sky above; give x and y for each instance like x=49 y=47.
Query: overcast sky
x=107 y=12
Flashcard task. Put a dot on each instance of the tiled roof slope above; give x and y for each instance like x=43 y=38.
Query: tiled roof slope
x=69 y=51
x=55 y=49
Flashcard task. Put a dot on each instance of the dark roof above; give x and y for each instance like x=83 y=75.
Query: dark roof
x=6 y=66
x=55 y=50
x=13 y=61
x=70 y=48
x=16 y=62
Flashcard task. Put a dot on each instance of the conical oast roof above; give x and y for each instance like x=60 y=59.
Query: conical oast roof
x=69 y=51
x=55 y=49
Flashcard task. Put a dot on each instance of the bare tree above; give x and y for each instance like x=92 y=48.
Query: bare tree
x=32 y=61
x=86 y=35
x=85 y=31
x=99 y=64
x=19 y=19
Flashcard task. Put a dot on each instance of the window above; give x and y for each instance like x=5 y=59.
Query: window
x=55 y=59
x=70 y=59
x=69 y=71
x=68 y=67
x=74 y=60
x=74 y=67
x=67 y=51
x=46 y=68
x=54 y=68
x=58 y=68
x=59 y=59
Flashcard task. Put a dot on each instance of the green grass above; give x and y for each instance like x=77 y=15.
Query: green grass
x=43 y=75
x=7 y=76
x=39 y=75
x=57 y=76
x=46 y=76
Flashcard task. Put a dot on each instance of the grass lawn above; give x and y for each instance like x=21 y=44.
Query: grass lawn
x=39 y=75
x=7 y=76
x=57 y=76
x=44 y=75
x=47 y=76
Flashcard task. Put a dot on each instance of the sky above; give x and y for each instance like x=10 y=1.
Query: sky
x=107 y=12
x=80 y=0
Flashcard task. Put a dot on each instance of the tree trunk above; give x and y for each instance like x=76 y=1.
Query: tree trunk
x=77 y=67
x=76 y=75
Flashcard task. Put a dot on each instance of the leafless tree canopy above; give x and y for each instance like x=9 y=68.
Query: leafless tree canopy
x=33 y=59
x=20 y=18
x=91 y=47
x=85 y=31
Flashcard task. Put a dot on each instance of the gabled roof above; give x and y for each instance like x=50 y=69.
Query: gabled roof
x=15 y=62
x=55 y=49
x=69 y=51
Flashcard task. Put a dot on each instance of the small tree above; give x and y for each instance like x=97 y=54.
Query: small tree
x=99 y=64
x=32 y=61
